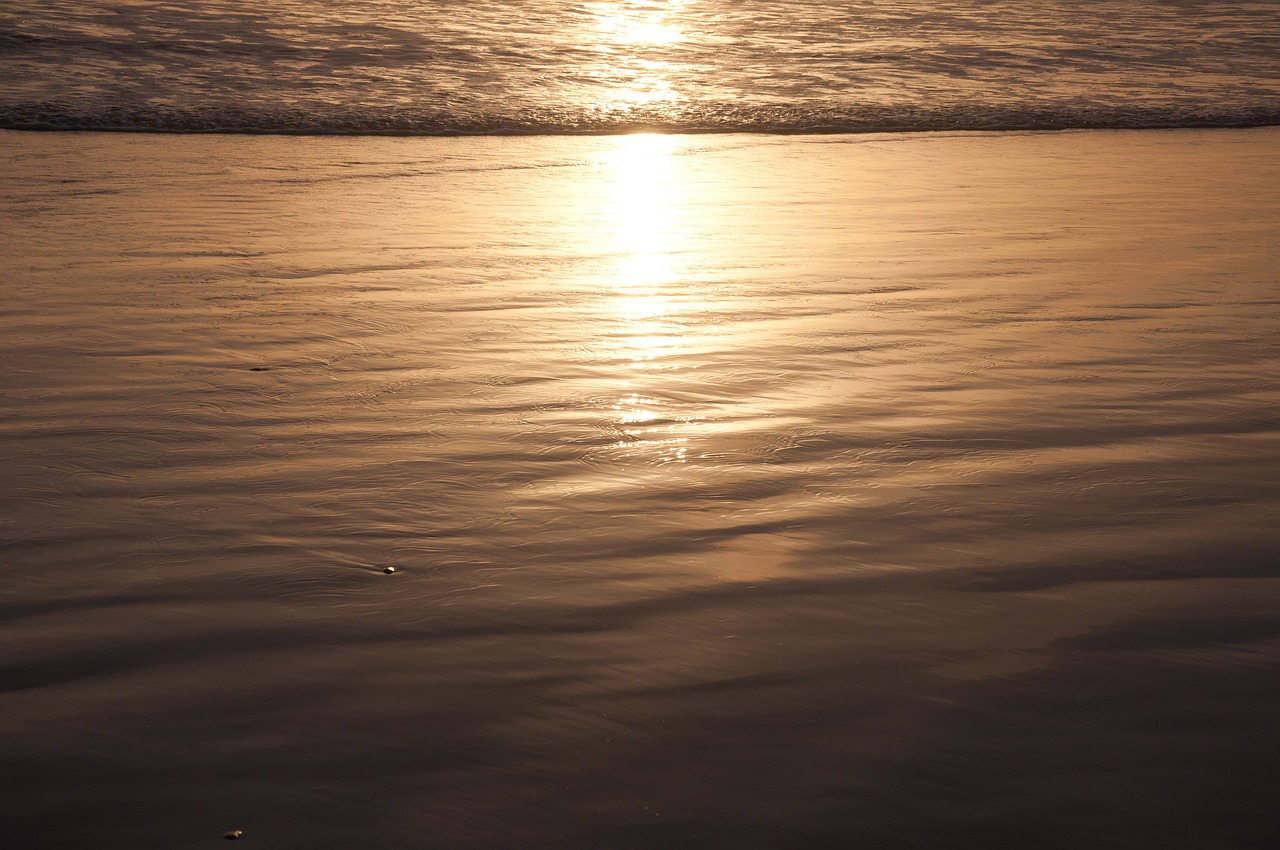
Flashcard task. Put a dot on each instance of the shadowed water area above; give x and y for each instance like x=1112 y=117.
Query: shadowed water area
x=743 y=492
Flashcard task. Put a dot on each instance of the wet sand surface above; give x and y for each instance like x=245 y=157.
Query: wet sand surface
x=742 y=491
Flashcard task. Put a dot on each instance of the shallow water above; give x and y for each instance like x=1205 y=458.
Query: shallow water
x=744 y=491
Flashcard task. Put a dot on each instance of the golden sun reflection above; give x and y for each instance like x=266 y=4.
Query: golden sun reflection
x=633 y=36
x=644 y=207
x=650 y=302
x=640 y=32
x=646 y=241
x=636 y=23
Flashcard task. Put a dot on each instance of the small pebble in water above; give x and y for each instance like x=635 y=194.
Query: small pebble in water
x=234 y=834
x=388 y=570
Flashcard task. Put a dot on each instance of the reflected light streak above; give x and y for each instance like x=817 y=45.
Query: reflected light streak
x=626 y=31
x=637 y=24
x=647 y=243
x=644 y=207
x=648 y=301
x=629 y=33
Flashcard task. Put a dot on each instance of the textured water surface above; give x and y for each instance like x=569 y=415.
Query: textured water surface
x=744 y=491
x=530 y=66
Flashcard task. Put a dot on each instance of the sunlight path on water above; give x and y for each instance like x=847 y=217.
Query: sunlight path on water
x=742 y=492
x=531 y=66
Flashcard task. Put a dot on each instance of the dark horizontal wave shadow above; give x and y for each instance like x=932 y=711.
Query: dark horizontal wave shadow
x=1185 y=632
x=1096 y=748
x=1151 y=727
x=1210 y=560
x=705 y=118
x=1093 y=751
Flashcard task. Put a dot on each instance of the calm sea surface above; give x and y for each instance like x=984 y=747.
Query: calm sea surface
x=742 y=491
x=753 y=491
x=532 y=66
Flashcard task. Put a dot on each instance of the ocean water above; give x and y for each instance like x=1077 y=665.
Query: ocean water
x=530 y=66
x=786 y=480
x=743 y=491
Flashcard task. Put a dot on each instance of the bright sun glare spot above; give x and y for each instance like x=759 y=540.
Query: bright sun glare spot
x=641 y=32
x=633 y=35
x=643 y=305
x=645 y=205
x=637 y=24
x=651 y=302
x=647 y=242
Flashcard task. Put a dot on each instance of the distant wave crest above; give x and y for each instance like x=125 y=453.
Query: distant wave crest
x=705 y=119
